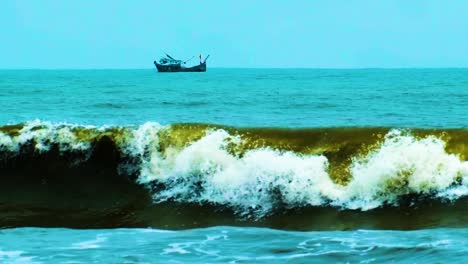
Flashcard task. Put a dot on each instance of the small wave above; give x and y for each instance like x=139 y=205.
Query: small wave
x=110 y=106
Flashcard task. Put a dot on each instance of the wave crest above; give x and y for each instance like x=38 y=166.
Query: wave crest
x=258 y=171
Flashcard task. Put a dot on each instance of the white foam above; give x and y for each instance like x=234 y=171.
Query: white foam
x=43 y=135
x=7 y=143
x=206 y=171
x=89 y=244
x=177 y=248
x=402 y=165
x=16 y=256
x=143 y=144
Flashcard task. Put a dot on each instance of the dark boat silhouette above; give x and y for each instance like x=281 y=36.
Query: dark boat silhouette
x=169 y=64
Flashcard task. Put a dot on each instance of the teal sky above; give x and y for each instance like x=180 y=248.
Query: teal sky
x=315 y=34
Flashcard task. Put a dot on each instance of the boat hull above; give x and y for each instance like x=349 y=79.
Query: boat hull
x=179 y=68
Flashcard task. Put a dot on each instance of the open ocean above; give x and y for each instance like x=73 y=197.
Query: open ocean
x=234 y=166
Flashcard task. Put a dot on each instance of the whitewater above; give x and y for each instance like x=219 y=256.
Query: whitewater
x=220 y=168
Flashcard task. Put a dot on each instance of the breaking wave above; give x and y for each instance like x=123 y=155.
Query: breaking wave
x=255 y=172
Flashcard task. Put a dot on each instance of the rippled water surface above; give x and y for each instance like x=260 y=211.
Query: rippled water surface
x=231 y=245
x=253 y=97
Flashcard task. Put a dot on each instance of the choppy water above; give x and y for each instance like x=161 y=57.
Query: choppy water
x=316 y=151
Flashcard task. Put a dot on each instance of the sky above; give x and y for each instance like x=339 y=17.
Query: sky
x=90 y=34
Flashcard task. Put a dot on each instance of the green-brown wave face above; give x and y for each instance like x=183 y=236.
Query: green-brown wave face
x=252 y=172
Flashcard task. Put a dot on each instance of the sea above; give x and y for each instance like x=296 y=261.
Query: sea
x=234 y=166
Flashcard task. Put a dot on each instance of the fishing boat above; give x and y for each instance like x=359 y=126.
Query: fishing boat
x=169 y=64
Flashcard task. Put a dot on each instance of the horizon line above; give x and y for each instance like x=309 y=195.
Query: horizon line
x=246 y=68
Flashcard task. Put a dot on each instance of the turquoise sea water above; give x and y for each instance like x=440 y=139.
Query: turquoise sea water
x=251 y=97
x=298 y=152
x=232 y=245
